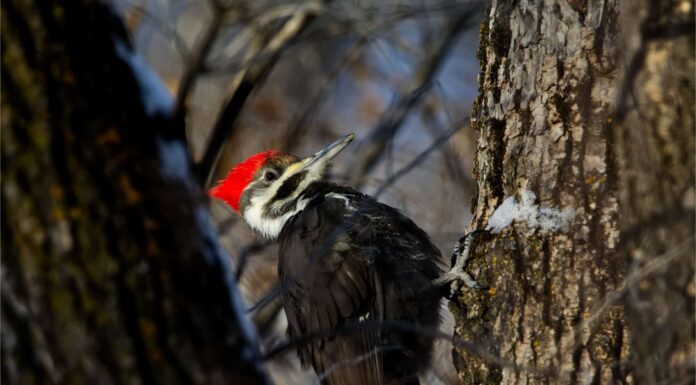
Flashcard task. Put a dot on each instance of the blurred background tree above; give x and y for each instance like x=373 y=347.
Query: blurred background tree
x=111 y=269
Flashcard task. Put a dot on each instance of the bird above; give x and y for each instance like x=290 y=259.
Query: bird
x=345 y=261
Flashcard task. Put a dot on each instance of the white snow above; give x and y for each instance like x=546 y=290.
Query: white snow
x=218 y=254
x=155 y=97
x=157 y=101
x=538 y=217
x=174 y=160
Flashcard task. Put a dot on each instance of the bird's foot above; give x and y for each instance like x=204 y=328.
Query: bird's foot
x=457 y=280
x=457 y=277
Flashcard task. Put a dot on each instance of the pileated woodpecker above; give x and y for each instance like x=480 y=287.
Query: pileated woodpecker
x=344 y=258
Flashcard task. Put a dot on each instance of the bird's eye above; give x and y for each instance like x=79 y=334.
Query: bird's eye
x=270 y=176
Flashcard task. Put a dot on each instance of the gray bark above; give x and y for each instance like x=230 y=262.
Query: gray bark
x=558 y=309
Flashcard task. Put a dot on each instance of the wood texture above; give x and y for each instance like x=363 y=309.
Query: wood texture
x=558 y=309
x=111 y=271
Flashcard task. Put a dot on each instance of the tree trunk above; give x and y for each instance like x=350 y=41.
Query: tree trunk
x=111 y=270
x=654 y=137
x=567 y=277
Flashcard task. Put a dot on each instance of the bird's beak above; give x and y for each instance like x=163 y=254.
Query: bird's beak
x=322 y=158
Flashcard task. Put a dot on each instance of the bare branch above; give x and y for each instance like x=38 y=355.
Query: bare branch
x=353 y=361
x=371 y=325
x=300 y=124
x=163 y=28
x=266 y=299
x=197 y=60
x=249 y=79
x=392 y=120
x=423 y=155
x=244 y=255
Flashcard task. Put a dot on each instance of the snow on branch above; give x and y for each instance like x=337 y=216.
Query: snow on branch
x=174 y=160
x=176 y=166
x=536 y=216
x=155 y=97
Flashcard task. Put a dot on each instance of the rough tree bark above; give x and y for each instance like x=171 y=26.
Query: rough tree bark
x=111 y=271
x=573 y=304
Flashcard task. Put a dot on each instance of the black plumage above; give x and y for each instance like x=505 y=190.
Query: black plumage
x=346 y=263
x=346 y=258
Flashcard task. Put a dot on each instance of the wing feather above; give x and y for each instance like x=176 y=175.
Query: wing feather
x=329 y=291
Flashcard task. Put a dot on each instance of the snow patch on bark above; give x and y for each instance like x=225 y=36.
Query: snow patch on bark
x=175 y=164
x=538 y=217
x=155 y=97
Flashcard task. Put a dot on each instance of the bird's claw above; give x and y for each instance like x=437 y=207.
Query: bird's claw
x=457 y=276
x=459 y=279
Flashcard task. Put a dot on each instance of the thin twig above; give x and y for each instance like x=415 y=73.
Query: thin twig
x=373 y=325
x=422 y=156
x=394 y=118
x=353 y=361
x=197 y=60
x=342 y=25
x=244 y=255
x=452 y=160
x=300 y=125
x=251 y=78
x=348 y=13
x=267 y=298
x=164 y=29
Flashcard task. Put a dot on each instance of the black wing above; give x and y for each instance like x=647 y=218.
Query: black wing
x=327 y=284
x=346 y=258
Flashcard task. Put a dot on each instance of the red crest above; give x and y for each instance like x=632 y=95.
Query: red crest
x=230 y=188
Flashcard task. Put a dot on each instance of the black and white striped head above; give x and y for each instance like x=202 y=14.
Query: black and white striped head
x=266 y=189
